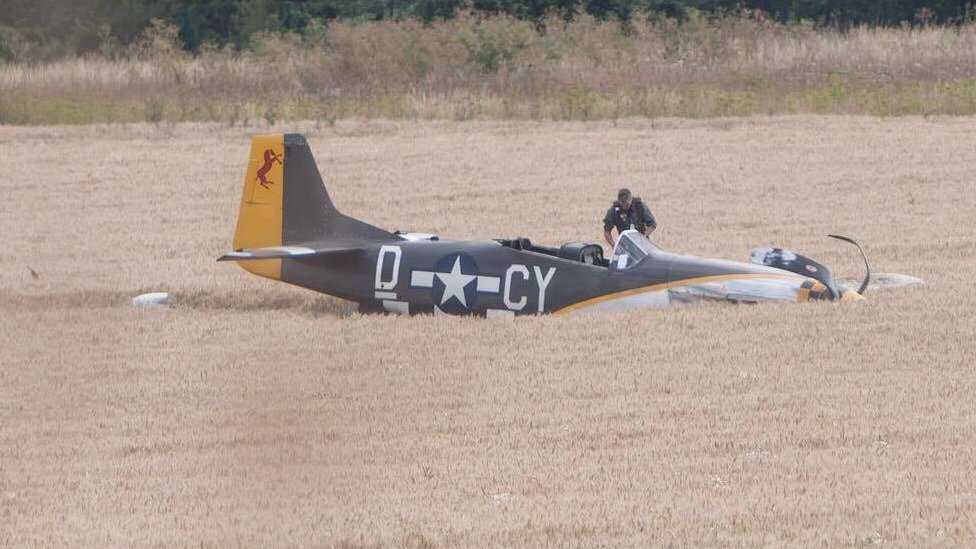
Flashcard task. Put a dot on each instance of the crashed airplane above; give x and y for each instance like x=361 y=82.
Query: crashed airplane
x=289 y=230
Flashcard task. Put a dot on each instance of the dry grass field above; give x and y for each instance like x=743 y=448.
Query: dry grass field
x=254 y=414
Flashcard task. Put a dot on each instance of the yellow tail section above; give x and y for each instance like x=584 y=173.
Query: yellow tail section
x=259 y=221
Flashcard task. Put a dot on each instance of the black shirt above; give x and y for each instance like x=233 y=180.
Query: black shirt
x=638 y=217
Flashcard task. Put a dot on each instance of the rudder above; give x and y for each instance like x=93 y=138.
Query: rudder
x=260 y=218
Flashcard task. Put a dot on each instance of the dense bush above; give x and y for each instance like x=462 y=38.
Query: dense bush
x=45 y=29
x=477 y=66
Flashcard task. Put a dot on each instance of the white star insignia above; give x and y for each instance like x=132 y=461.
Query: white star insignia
x=454 y=283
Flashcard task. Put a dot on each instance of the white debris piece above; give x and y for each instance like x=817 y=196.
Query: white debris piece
x=880 y=281
x=151 y=300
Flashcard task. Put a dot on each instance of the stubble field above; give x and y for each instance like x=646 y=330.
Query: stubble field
x=255 y=414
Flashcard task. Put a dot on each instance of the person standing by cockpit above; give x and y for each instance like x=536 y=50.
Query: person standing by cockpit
x=628 y=212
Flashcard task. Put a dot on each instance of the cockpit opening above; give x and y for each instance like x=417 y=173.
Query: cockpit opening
x=590 y=254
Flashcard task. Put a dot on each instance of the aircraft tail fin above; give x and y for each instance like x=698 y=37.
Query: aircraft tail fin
x=285 y=202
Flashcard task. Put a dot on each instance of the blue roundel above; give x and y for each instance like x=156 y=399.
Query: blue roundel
x=455 y=283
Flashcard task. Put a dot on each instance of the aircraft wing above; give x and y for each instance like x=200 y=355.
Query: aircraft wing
x=299 y=251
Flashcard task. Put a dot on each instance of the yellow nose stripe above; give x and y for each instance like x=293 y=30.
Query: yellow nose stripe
x=851 y=295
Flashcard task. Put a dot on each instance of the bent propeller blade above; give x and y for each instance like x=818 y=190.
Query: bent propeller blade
x=867 y=266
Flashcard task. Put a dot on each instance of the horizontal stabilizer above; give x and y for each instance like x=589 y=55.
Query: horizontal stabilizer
x=280 y=252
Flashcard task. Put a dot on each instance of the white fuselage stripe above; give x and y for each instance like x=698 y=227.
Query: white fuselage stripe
x=488 y=284
x=422 y=279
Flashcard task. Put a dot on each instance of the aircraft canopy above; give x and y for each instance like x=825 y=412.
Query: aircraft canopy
x=631 y=248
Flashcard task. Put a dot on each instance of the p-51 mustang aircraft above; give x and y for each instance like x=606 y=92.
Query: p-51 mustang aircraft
x=289 y=230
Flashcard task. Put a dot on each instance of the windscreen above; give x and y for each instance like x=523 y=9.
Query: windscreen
x=631 y=248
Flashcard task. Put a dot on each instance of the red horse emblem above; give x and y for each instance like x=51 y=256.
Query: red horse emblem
x=269 y=160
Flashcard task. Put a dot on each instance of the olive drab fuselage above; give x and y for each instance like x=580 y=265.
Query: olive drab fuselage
x=289 y=230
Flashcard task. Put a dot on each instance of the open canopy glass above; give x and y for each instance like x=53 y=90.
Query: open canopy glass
x=631 y=248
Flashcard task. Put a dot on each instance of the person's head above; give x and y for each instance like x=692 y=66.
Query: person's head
x=624 y=199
